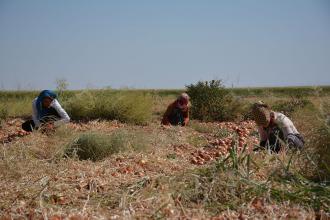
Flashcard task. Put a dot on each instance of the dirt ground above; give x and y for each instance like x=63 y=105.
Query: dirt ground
x=38 y=184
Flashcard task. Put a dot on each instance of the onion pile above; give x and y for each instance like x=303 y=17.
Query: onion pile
x=240 y=137
x=12 y=131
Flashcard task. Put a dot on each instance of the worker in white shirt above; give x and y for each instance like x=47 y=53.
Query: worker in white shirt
x=46 y=110
x=275 y=128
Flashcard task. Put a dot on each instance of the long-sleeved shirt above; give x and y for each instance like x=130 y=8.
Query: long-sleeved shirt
x=169 y=111
x=56 y=105
x=283 y=123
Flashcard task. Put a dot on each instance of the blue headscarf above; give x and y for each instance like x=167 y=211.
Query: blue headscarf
x=41 y=110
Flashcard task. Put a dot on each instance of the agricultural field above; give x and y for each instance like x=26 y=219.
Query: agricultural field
x=115 y=161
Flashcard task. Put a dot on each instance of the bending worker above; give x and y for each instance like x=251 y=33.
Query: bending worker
x=46 y=110
x=177 y=113
x=274 y=128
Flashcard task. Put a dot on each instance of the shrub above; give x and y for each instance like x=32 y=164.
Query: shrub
x=97 y=146
x=94 y=146
x=20 y=107
x=129 y=107
x=211 y=101
x=81 y=106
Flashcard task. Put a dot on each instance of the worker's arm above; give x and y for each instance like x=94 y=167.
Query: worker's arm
x=185 y=117
x=64 y=116
x=263 y=136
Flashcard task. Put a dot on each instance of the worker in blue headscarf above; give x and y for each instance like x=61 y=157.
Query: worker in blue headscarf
x=46 y=110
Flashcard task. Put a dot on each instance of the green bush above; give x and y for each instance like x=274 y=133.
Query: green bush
x=97 y=146
x=92 y=146
x=129 y=107
x=20 y=107
x=81 y=106
x=211 y=101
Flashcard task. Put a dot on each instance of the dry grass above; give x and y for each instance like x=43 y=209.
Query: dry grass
x=156 y=178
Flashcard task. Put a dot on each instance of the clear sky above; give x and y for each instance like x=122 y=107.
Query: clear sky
x=163 y=44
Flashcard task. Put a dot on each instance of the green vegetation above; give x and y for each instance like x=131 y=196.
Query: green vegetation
x=92 y=146
x=127 y=107
x=233 y=181
x=290 y=105
x=97 y=146
x=106 y=165
x=17 y=101
x=3 y=112
x=282 y=91
x=81 y=106
x=212 y=102
x=124 y=106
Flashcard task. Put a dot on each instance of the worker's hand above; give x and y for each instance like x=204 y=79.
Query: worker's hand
x=50 y=126
x=166 y=126
x=185 y=122
x=47 y=127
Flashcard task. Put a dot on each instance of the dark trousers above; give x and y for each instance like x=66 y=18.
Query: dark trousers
x=276 y=138
x=28 y=125
x=51 y=115
x=273 y=142
x=295 y=141
x=176 y=117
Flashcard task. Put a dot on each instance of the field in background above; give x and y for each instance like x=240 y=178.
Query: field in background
x=142 y=170
x=15 y=102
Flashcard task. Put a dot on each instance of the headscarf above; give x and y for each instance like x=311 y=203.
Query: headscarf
x=261 y=114
x=184 y=96
x=43 y=94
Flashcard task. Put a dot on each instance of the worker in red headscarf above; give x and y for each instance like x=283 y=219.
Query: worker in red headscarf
x=177 y=112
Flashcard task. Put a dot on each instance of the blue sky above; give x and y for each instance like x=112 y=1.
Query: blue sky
x=163 y=44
